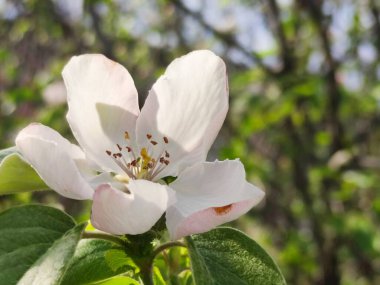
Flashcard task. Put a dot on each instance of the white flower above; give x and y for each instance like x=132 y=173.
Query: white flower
x=126 y=152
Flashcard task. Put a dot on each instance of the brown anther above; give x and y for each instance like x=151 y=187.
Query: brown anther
x=220 y=211
x=134 y=162
x=108 y=152
x=166 y=140
x=118 y=154
x=128 y=148
x=149 y=136
x=119 y=147
x=167 y=154
x=126 y=135
x=162 y=159
x=114 y=155
x=166 y=162
x=153 y=142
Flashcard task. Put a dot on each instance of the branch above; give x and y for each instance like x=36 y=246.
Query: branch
x=286 y=55
x=227 y=38
x=104 y=236
x=334 y=99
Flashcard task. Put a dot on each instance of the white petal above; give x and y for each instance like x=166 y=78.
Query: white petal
x=188 y=105
x=209 y=194
x=103 y=104
x=54 y=158
x=117 y=212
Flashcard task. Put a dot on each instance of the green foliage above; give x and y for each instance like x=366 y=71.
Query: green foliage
x=36 y=243
x=96 y=260
x=307 y=134
x=227 y=256
x=16 y=175
x=120 y=280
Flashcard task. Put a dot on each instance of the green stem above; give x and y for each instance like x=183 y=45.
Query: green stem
x=147 y=270
x=104 y=236
x=167 y=245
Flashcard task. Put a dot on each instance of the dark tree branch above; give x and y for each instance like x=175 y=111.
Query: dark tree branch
x=334 y=99
x=286 y=54
x=226 y=38
x=376 y=26
x=108 y=44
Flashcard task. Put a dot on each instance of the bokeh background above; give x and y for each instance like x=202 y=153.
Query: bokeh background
x=304 y=107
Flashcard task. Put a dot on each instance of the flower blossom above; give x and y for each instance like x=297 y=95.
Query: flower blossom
x=125 y=153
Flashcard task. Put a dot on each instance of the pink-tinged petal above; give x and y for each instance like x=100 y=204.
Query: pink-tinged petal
x=209 y=194
x=103 y=105
x=118 y=212
x=186 y=107
x=207 y=219
x=54 y=158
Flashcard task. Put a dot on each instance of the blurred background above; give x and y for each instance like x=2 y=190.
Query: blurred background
x=304 y=107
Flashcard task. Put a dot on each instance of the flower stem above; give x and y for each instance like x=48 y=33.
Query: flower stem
x=147 y=270
x=104 y=236
x=167 y=245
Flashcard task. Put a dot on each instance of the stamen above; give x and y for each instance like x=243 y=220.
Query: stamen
x=140 y=165
x=220 y=211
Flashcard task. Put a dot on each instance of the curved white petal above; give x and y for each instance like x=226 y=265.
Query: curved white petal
x=209 y=194
x=117 y=212
x=103 y=104
x=187 y=105
x=54 y=158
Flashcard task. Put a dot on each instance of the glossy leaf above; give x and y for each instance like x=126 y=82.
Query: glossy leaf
x=16 y=175
x=96 y=260
x=227 y=256
x=36 y=244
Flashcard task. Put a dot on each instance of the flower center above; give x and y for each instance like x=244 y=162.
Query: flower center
x=140 y=165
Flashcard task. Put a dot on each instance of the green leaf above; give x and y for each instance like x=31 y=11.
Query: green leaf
x=157 y=276
x=6 y=152
x=16 y=175
x=227 y=256
x=90 y=263
x=120 y=280
x=36 y=243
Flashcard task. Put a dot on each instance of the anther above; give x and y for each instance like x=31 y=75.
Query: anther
x=126 y=135
x=167 y=154
x=153 y=142
x=108 y=152
x=166 y=162
x=162 y=159
x=119 y=147
x=149 y=136
x=166 y=140
x=220 y=211
x=128 y=148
